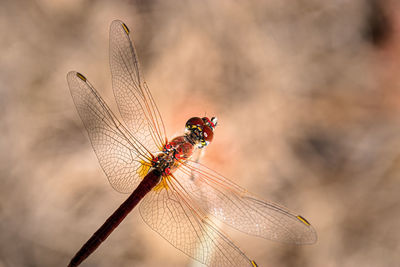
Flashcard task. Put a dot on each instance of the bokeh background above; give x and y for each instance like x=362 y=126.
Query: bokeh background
x=308 y=99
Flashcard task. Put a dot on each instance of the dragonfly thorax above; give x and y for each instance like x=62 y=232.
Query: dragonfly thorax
x=177 y=150
x=199 y=133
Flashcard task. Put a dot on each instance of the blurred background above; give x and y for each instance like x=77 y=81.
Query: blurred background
x=307 y=94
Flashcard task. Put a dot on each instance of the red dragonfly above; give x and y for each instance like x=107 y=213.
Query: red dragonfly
x=179 y=197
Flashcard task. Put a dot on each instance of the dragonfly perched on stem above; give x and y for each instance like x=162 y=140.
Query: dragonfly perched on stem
x=179 y=197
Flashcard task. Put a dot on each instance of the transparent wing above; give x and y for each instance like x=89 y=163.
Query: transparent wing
x=236 y=207
x=168 y=211
x=119 y=153
x=132 y=95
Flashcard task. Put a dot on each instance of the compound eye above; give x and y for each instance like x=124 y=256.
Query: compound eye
x=208 y=133
x=194 y=123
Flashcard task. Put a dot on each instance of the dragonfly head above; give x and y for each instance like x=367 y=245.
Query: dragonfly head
x=201 y=130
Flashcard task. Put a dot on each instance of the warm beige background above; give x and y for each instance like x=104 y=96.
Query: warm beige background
x=308 y=98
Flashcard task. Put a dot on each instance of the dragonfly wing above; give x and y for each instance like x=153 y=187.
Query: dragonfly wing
x=236 y=207
x=167 y=211
x=119 y=154
x=132 y=95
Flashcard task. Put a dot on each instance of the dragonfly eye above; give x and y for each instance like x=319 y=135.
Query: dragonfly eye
x=208 y=133
x=194 y=123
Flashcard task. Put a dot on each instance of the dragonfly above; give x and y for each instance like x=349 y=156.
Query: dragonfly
x=180 y=198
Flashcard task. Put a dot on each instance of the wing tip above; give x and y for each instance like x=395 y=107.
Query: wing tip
x=311 y=239
x=72 y=74
x=80 y=76
x=311 y=236
x=303 y=220
x=116 y=21
x=120 y=23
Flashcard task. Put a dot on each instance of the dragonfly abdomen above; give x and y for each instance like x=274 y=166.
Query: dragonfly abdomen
x=147 y=184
